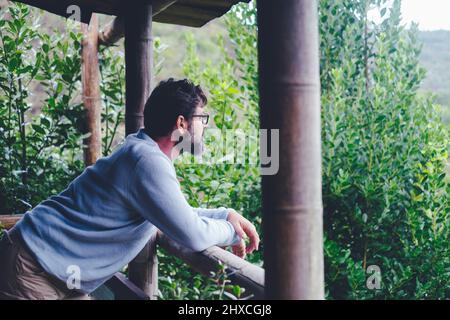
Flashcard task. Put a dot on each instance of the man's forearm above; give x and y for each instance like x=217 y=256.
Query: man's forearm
x=217 y=213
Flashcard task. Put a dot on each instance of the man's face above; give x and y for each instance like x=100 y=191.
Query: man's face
x=196 y=131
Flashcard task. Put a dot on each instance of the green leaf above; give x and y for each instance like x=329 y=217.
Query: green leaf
x=38 y=129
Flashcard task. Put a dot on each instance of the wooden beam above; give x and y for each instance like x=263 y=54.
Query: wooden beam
x=180 y=20
x=9 y=221
x=239 y=271
x=192 y=12
x=90 y=77
x=115 y=30
x=289 y=88
x=112 y=33
x=138 y=61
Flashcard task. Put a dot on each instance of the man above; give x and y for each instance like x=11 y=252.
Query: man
x=103 y=219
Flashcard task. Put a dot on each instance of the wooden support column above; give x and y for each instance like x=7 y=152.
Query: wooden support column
x=290 y=101
x=143 y=270
x=138 y=57
x=90 y=76
x=137 y=18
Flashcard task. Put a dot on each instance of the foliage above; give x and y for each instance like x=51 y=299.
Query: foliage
x=39 y=153
x=384 y=157
x=42 y=133
x=112 y=86
x=181 y=283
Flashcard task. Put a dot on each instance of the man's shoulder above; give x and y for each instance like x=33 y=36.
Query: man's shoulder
x=145 y=154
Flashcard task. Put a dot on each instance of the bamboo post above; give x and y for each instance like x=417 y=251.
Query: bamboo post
x=138 y=57
x=143 y=270
x=90 y=76
x=290 y=101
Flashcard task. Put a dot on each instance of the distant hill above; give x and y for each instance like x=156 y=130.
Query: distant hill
x=435 y=58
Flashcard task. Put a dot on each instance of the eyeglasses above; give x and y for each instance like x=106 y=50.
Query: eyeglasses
x=204 y=117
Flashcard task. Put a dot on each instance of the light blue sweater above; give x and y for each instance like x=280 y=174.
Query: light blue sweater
x=108 y=213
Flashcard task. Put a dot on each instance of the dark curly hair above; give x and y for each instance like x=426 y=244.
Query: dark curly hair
x=170 y=99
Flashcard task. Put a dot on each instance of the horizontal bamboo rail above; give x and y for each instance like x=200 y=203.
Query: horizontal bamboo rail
x=9 y=221
x=238 y=271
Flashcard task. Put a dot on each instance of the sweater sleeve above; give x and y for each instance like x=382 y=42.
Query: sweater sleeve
x=218 y=213
x=155 y=194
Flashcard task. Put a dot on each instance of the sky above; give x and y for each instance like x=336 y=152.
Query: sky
x=430 y=14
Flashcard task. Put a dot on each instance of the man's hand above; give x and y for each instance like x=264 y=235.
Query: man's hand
x=239 y=249
x=244 y=229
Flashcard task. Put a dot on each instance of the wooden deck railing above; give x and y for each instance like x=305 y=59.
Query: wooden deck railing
x=142 y=283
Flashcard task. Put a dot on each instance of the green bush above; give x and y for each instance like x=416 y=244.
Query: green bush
x=384 y=157
x=40 y=153
x=41 y=113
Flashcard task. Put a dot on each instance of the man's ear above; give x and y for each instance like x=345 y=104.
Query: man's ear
x=181 y=123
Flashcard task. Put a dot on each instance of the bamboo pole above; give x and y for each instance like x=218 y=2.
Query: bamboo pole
x=90 y=77
x=290 y=101
x=143 y=270
x=138 y=57
x=137 y=19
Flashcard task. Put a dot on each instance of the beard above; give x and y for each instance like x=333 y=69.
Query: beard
x=197 y=146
